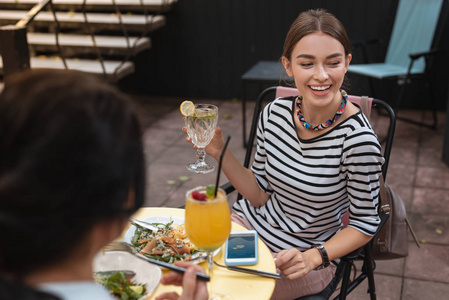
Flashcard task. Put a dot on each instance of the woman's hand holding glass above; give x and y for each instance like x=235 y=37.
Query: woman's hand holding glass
x=215 y=146
x=200 y=126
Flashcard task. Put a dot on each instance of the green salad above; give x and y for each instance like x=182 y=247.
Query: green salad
x=120 y=286
x=168 y=244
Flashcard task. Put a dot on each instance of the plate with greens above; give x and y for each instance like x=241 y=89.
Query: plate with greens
x=169 y=244
x=111 y=270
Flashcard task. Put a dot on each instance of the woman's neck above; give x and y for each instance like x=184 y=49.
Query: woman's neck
x=316 y=115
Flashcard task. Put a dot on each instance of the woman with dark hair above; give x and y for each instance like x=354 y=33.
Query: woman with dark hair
x=317 y=157
x=71 y=174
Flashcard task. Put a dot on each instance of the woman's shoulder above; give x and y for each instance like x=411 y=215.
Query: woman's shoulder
x=356 y=120
x=280 y=104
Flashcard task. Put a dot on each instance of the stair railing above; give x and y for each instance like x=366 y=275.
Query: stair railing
x=14 y=43
x=92 y=35
x=148 y=24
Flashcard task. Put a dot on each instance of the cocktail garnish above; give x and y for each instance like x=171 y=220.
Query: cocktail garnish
x=210 y=190
x=187 y=108
x=199 y=196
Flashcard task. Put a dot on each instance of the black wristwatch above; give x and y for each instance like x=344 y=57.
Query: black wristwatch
x=324 y=257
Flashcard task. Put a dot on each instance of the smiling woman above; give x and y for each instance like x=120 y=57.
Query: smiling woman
x=317 y=158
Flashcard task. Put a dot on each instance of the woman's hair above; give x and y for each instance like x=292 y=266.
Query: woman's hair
x=311 y=21
x=71 y=151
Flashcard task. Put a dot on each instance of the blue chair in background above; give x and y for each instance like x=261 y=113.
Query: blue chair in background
x=412 y=48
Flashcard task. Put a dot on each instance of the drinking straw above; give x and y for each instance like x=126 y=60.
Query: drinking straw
x=219 y=165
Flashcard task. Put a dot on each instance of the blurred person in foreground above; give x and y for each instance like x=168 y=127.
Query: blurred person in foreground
x=71 y=174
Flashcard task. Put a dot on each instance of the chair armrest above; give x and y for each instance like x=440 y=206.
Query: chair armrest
x=415 y=56
x=356 y=253
x=228 y=188
x=363 y=45
x=353 y=255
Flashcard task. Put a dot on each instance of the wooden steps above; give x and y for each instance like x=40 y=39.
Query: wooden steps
x=73 y=44
x=115 y=69
x=96 y=5
x=135 y=18
x=97 y=21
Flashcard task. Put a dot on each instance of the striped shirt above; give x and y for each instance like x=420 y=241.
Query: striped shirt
x=313 y=182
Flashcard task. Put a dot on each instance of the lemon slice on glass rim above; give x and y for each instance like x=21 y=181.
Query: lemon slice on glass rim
x=187 y=108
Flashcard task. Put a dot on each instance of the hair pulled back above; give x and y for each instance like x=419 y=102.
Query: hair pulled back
x=70 y=148
x=312 y=21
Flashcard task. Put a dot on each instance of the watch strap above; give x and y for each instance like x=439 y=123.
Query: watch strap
x=324 y=257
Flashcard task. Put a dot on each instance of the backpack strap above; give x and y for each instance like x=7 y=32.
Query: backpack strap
x=364 y=104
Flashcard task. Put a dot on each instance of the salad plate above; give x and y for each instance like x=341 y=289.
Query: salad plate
x=161 y=221
x=145 y=273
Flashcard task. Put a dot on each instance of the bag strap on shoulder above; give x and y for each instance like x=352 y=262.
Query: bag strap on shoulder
x=364 y=105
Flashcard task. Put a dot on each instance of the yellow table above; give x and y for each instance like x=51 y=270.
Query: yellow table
x=236 y=284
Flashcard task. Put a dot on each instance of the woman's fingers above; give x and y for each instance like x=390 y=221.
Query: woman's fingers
x=168 y=296
x=291 y=263
x=191 y=287
x=286 y=257
x=172 y=278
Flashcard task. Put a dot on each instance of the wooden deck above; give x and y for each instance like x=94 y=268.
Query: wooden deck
x=96 y=5
x=115 y=70
x=98 y=21
x=83 y=44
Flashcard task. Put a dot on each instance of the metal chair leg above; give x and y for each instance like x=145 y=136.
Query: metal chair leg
x=401 y=95
x=370 y=272
x=345 y=281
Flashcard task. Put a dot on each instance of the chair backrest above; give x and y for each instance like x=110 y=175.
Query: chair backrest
x=281 y=91
x=413 y=31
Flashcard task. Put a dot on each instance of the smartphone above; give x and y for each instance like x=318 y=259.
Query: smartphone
x=241 y=248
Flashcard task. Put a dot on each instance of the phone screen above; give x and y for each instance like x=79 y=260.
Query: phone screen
x=241 y=246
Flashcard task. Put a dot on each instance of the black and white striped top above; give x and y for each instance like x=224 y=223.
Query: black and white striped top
x=313 y=182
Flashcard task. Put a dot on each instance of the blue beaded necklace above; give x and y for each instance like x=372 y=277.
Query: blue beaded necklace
x=329 y=122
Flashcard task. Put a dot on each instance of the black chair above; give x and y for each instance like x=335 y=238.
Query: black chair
x=412 y=49
x=262 y=73
x=343 y=271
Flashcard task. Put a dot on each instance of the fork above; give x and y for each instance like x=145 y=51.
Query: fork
x=123 y=246
x=143 y=224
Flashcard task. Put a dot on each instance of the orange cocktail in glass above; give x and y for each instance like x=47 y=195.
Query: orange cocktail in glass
x=208 y=225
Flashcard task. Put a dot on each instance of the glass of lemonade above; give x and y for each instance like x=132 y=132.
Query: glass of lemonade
x=208 y=225
x=201 y=129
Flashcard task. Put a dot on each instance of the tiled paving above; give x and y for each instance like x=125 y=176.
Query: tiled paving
x=416 y=172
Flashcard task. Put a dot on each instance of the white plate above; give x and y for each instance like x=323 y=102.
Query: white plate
x=164 y=220
x=146 y=273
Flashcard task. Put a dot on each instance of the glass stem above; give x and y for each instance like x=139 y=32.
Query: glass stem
x=210 y=264
x=200 y=155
